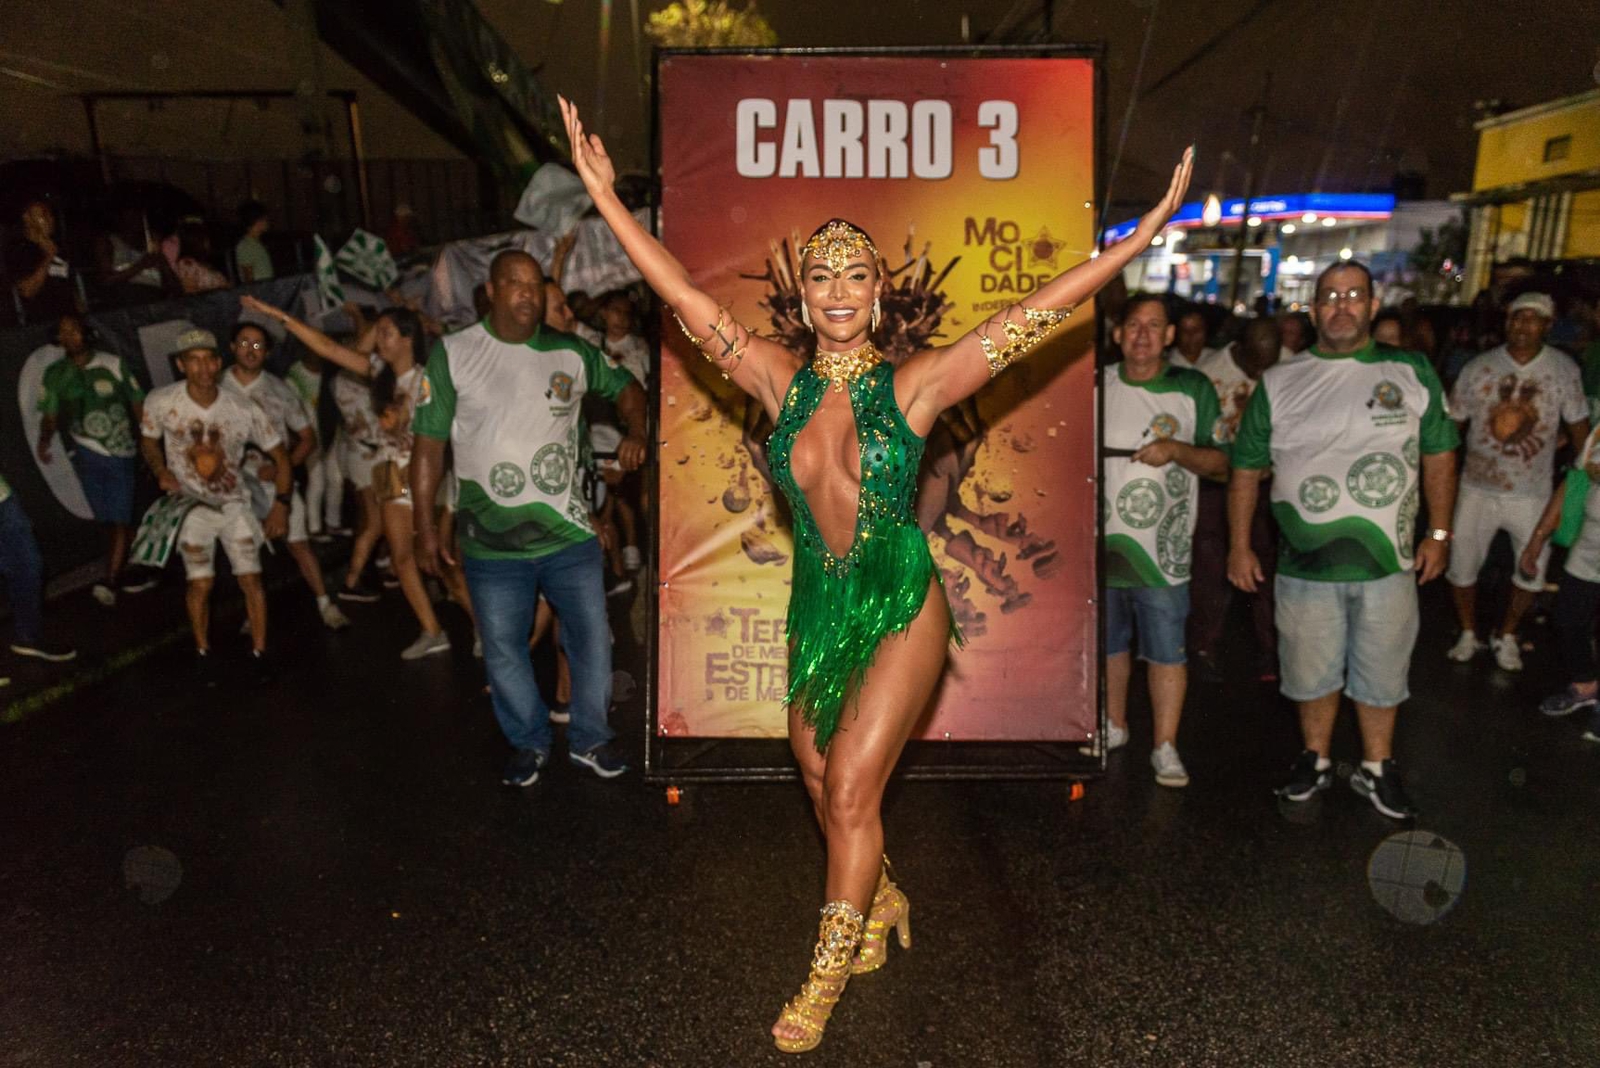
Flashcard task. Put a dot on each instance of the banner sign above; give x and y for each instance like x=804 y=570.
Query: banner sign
x=975 y=177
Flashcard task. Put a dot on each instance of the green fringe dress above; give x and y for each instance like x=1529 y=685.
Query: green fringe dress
x=842 y=607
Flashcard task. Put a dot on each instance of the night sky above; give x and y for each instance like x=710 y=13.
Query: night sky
x=1361 y=89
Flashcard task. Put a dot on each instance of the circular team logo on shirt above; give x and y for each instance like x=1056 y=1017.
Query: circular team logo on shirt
x=551 y=469
x=1140 y=503
x=1405 y=525
x=560 y=388
x=1177 y=481
x=1386 y=395
x=1163 y=426
x=1376 y=480
x=1173 y=543
x=506 y=480
x=1412 y=454
x=97 y=425
x=1319 y=493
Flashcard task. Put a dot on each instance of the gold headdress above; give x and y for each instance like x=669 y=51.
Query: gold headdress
x=838 y=245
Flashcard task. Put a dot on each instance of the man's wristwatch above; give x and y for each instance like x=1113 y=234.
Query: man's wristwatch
x=1440 y=534
x=285 y=499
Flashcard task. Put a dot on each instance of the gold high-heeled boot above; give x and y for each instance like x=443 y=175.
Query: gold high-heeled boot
x=890 y=908
x=838 y=935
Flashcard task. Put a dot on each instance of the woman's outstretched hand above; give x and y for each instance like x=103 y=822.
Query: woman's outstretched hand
x=1156 y=218
x=588 y=154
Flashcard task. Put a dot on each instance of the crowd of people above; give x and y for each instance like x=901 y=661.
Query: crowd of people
x=238 y=458
x=1311 y=462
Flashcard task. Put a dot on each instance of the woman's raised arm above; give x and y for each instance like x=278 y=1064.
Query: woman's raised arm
x=756 y=365
x=935 y=379
x=312 y=338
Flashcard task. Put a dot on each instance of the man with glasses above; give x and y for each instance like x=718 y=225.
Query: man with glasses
x=249 y=380
x=1352 y=432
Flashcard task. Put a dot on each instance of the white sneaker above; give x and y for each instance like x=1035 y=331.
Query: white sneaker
x=1507 y=652
x=1465 y=648
x=1169 y=769
x=560 y=715
x=426 y=645
x=332 y=618
x=1115 y=737
x=631 y=560
x=104 y=594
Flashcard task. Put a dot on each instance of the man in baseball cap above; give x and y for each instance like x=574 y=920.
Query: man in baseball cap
x=1515 y=397
x=193 y=437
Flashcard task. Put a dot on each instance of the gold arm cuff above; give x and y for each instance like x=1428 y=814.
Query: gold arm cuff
x=733 y=353
x=1021 y=340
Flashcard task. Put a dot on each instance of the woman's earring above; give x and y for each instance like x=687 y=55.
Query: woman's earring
x=877 y=313
x=805 y=315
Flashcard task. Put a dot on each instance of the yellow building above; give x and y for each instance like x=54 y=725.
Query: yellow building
x=1536 y=190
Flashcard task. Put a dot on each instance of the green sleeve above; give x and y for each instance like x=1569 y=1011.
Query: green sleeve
x=131 y=383
x=1252 y=445
x=603 y=379
x=1207 y=413
x=50 y=391
x=436 y=407
x=1439 y=432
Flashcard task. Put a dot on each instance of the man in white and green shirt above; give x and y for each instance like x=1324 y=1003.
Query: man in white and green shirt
x=1353 y=433
x=506 y=394
x=93 y=400
x=1158 y=428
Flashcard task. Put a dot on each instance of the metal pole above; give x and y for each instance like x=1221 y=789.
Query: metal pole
x=1258 y=117
x=359 y=153
x=94 y=140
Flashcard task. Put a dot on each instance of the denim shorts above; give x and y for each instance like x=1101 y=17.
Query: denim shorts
x=107 y=483
x=1159 y=613
x=1354 y=636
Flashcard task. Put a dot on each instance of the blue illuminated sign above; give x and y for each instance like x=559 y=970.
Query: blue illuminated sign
x=1338 y=205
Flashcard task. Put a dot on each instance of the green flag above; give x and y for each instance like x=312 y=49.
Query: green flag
x=365 y=257
x=328 y=287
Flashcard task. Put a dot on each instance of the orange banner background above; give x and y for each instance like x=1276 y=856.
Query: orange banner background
x=1012 y=511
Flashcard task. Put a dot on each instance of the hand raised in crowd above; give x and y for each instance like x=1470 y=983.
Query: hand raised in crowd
x=276 y=525
x=1432 y=558
x=631 y=453
x=249 y=303
x=1244 y=570
x=1152 y=221
x=588 y=154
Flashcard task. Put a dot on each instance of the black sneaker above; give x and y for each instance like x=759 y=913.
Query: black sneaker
x=1567 y=702
x=1592 y=732
x=41 y=649
x=1304 y=779
x=391 y=581
x=1386 y=792
x=261 y=671
x=599 y=760
x=523 y=768
x=363 y=592
x=205 y=669
x=1205 y=670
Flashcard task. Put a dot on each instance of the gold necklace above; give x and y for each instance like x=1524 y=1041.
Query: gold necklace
x=843 y=368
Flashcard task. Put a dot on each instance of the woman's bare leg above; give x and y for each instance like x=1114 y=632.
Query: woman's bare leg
x=366 y=537
x=864 y=751
x=397 y=527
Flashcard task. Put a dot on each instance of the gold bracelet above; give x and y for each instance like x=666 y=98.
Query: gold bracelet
x=1021 y=340
x=734 y=351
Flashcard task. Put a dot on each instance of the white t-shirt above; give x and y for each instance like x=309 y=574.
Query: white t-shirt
x=277 y=398
x=205 y=447
x=394 y=422
x=352 y=395
x=1233 y=388
x=1516 y=411
x=631 y=353
x=1150 y=512
x=1175 y=358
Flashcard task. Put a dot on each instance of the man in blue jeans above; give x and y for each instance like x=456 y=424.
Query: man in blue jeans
x=506 y=393
x=22 y=580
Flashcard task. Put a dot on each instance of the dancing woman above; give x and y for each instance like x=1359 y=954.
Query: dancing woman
x=868 y=622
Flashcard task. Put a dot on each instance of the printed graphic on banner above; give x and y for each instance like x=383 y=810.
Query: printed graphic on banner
x=975 y=179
